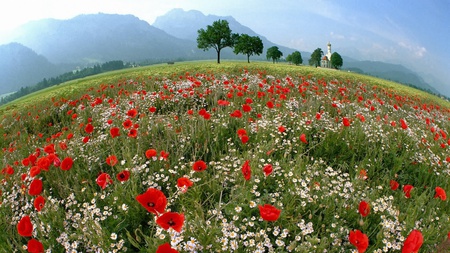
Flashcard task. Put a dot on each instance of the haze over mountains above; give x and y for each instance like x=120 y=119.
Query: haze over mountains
x=49 y=47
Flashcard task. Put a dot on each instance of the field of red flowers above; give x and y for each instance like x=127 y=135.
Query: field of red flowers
x=241 y=158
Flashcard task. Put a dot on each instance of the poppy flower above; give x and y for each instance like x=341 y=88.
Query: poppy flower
x=246 y=170
x=268 y=169
x=166 y=248
x=199 y=166
x=241 y=132
x=171 y=220
x=24 y=227
x=440 y=193
x=359 y=240
x=111 y=160
x=132 y=113
x=244 y=139
x=103 y=180
x=403 y=124
x=394 y=185
x=115 y=132
x=35 y=187
x=123 y=176
x=269 y=104
x=281 y=129
x=39 y=203
x=246 y=108
x=153 y=200
x=163 y=155
x=35 y=246
x=34 y=171
x=89 y=128
x=413 y=242
x=364 y=208
x=407 y=190
x=67 y=163
x=151 y=153
x=49 y=149
x=223 y=102
x=127 y=124
x=269 y=212
x=303 y=138
x=184 y=183
x=132 y=133
x=236 y=114
x=152 y=109
x=346 y=121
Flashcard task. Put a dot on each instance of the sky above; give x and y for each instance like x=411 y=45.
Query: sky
x=414 y=33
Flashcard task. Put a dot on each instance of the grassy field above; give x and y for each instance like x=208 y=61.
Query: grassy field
x=236 y=157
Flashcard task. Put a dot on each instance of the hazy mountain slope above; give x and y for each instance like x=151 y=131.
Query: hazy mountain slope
x=101 y=37
x=21 y=66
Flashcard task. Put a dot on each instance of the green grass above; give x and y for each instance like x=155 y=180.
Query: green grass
x=317 y=185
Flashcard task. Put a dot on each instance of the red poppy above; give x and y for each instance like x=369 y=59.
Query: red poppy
x=115 y=132
x=171 y=220
x=111 y=160
x=152 y=109
x=246 y=170
x=153 y=200
x=281 y=129
x=303 y=138
x=241 y=132
x=35 y=187
x=39 y=203
x=223 y=102
x=34 y=171
x=166 y=248
x=199 y=166
x=244 y=139
x=246 y=108
x=151 y=153
x=394 y=185
x=269 y=104
x=132 y=113
x=44 y=163
x=67 y=163
x=268 y=169
x=163 y=155
x=184 y=183
x=364 y=208
x=440 y=193
x=49 y=149
x=359 y=240
x=123 y=176
x=24 y=227
x=413 y=242
x=403 y=124
x=407 y=190
x=35 y=246
x=236 y=114
x=89 y=128
x=269 y=212
x=127 y=124
x=132 y=133
x=346 y=121
x=103 y=180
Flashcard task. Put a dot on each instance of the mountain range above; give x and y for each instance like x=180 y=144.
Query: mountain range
x=49 y=47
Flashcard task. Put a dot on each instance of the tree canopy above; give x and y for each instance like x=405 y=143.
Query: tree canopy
x=316 y=56
x=217 y=36
x=248 y=45
x=274 y=53
x=295 y=58
x=336 y=60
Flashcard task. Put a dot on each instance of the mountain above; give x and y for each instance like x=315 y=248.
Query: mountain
x=393 y=72
x=20 y=66
x=185 y=24
x=96 y=38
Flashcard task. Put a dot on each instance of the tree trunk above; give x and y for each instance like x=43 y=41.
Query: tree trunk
x=248 y=58
x=218 y=56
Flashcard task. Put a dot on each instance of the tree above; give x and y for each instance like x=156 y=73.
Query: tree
x=336 y=60
x=296 y=58
x=217 y=36
x=316 y=57
x=248 y=45
x=274 y=53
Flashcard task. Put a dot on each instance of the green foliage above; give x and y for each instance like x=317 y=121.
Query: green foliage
x=217 y=36
x=316 y=57
x=295 y=58
x=248 y=45
x=273 y=53
x=336 y=60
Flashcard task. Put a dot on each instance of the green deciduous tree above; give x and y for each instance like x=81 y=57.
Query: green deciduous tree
x=217 y=36
x=274 y=53
x=336 y=60
x=316 y=56
x=295 y=58
x=248 y=45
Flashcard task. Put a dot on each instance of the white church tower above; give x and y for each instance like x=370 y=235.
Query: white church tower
x=329 y=51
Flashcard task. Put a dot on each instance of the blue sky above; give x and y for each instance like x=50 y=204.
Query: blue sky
x=414 y=33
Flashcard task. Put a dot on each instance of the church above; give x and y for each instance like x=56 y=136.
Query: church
x=326 y=59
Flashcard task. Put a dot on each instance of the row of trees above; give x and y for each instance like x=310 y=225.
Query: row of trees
x=219 y=36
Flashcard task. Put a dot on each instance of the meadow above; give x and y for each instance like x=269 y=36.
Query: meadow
x=236 y=157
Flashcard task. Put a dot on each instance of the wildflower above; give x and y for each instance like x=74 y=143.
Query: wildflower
x=244 y=139
x=394 y=185
x=127 y=124
x=303 y=138
x=24 y=227
x=269 y=212
x=440 y=193
x=35 y=246
x=236 y=114
x=114 y=132
x=246 y=170
x=123 y=176
x=35 y=187
x=111 y=160
x=364 y=208
x=346 y=121
x=246 y=108
x=184 y=183
x=67 y=163
x=359 y=240
x=199 y=166
x=403 y=124
x=171 y=220
x=268 y=169
x=281 y=129
x=150 y=153
x=153 y=200
x=103 y=180
x=89 y=128
x=166 y=248
x=407 y=190
x=132 y=113
x=413 y=242
x=39 y=203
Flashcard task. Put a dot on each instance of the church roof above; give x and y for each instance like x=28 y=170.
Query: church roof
x=325 y=58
